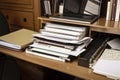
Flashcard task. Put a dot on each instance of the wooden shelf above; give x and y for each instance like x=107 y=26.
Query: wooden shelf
x=101 y=25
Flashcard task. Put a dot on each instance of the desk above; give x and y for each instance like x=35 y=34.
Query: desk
x=71 y=68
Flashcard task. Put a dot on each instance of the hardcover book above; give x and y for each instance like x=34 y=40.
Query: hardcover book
x=75 y=52
x=62 y=35
x=66 y=27
x=55 y=43
x=17 y=40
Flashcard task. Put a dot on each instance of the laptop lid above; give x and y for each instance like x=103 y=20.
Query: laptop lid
x=86 y=9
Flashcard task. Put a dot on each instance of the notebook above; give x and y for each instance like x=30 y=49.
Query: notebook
x=109 y=64
x=17 y=40
x=85 y=11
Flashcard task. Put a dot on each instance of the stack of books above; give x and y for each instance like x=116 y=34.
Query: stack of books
x=59 y=42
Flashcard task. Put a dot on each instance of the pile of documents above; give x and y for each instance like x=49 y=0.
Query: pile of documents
x=109 y=62
x=59 y=42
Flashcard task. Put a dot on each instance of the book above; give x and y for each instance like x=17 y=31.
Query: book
x=117 y=15
x=56 y=5
x=50 y=52
x=114 y=6
x=47 y=6
x=63 y=45
x=45 y=41
x=76 y=52
x=67 y=27
x=18 y=40
x=63 y=36
x=108 y=11
x=111 y=4
x=108 y=64
x=28 y=51
x=70 y=41
x=63 y=31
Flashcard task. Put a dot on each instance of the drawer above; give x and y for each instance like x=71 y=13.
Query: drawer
x=19 y=18
x=14 y=27
x=17 y=3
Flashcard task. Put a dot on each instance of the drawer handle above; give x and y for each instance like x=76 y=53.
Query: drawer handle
x=25 y=20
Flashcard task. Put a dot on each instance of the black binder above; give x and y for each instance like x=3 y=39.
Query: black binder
x=92 y=51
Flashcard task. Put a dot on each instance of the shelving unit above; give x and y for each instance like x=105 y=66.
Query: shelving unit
x=101 y=26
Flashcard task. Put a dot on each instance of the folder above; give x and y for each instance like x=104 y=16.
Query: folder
x=92 y=51
x=18 y=39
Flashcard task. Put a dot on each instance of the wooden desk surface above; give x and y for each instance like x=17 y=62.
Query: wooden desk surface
x=71 y=68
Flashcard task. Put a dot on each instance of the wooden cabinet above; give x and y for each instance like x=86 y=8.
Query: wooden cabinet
x=21 y=13
x=18 y=3
x=18 y=19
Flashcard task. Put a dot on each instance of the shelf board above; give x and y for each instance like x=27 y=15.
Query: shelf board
x=101 y=25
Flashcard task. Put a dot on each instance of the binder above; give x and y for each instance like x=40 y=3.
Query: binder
x=17 y=40
x=86 y=59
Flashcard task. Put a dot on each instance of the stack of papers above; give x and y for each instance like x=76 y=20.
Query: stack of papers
x=59 y=42
x=109 y=64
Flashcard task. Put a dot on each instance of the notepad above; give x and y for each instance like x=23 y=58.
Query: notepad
x=18 y=39
x=109 y=64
